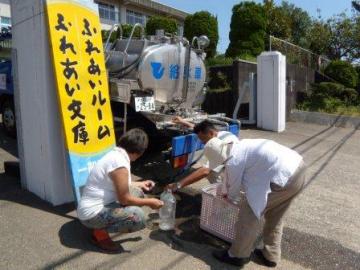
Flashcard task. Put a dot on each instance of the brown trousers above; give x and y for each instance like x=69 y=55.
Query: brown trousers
x=248 y=225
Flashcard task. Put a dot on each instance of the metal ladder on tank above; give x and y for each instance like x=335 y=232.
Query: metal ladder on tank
x=107 y=49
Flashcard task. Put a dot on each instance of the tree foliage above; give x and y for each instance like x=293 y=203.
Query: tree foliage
x=318 y=37
x=218 y=80
x=127 y=28
x=337 y=38
x=342 y=72
x=357 y=68
x=345 y=37
x=203 y=23
x=169 y=25
x=218 y=60
x=278 y=22
x=356 y=5
x=300 y=22
x=247 y=30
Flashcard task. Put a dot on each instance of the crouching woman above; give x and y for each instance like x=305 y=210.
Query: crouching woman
x=110 y=202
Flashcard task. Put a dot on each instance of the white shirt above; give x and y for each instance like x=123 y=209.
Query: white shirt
x=99 y=189
x=256 y=163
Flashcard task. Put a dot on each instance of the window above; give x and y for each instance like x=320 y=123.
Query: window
x=133 y=17
x=106 y=11
x=5 y=21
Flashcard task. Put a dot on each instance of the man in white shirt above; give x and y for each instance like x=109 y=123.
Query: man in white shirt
x=205 y=131
x=110 y=202
x=271 y=175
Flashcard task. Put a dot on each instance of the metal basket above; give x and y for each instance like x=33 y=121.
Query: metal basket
x=218 y=215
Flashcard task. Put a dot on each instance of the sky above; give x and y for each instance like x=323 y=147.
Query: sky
x=222 y=9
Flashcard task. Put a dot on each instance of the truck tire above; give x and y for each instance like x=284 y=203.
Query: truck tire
x=8 y=118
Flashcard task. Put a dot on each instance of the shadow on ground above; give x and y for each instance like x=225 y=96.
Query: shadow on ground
x=74 y=235
x=304 y=249
x=317 y=252
x=8 y=144
x=10 y=190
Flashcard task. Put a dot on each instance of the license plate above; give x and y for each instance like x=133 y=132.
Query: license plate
x=144 y=104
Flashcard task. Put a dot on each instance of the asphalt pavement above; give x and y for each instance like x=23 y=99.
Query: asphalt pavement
x=322 y=230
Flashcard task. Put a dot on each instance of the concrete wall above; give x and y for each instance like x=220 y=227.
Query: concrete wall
x=298 y=81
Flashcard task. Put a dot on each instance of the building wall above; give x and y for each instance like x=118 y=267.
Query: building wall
x=121 y=9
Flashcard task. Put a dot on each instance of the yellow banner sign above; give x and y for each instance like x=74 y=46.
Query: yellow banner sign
x=78 y=58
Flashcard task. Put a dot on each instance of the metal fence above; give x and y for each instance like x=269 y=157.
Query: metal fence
x=297 y=55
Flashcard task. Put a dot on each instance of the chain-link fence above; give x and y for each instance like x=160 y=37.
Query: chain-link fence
x=298 y=55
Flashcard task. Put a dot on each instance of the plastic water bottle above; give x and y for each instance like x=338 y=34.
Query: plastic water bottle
x=167 y=212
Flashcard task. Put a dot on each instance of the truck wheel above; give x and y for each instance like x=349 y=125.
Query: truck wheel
x=8 y=117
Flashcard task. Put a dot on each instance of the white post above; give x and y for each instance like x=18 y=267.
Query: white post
x=43 y=161
x=271 y=91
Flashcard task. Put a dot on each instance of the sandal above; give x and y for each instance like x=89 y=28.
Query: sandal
x=102 y=240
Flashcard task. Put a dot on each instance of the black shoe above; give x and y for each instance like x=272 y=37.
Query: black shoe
x=266 y=262
x=223 y=256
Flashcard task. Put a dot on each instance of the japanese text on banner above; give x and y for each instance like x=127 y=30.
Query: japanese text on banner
x=81 y=77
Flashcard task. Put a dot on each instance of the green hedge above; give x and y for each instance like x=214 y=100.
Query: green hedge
x=159 y=22
x=330 y=97
x=342 y=72
x=357 y=68
x=335 y=90
x=127 y=31
x=218 y=81
x=203 y=23
x=218 y=61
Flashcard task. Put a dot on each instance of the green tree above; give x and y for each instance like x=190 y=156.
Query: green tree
x=356 y=5
x=203 y=23
x=278 y=21
x=344 y=38
x=300 y=23
x=127 y=28
x=247 y=30
x=337 y=38
x=318 y=37
x=160 y=22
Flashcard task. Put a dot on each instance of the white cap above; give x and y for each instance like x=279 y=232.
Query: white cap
x=217 y=152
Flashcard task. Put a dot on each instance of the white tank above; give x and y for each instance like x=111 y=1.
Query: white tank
x=162 y=68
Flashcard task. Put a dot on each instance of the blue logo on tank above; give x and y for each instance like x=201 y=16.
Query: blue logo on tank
x=157 y=70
